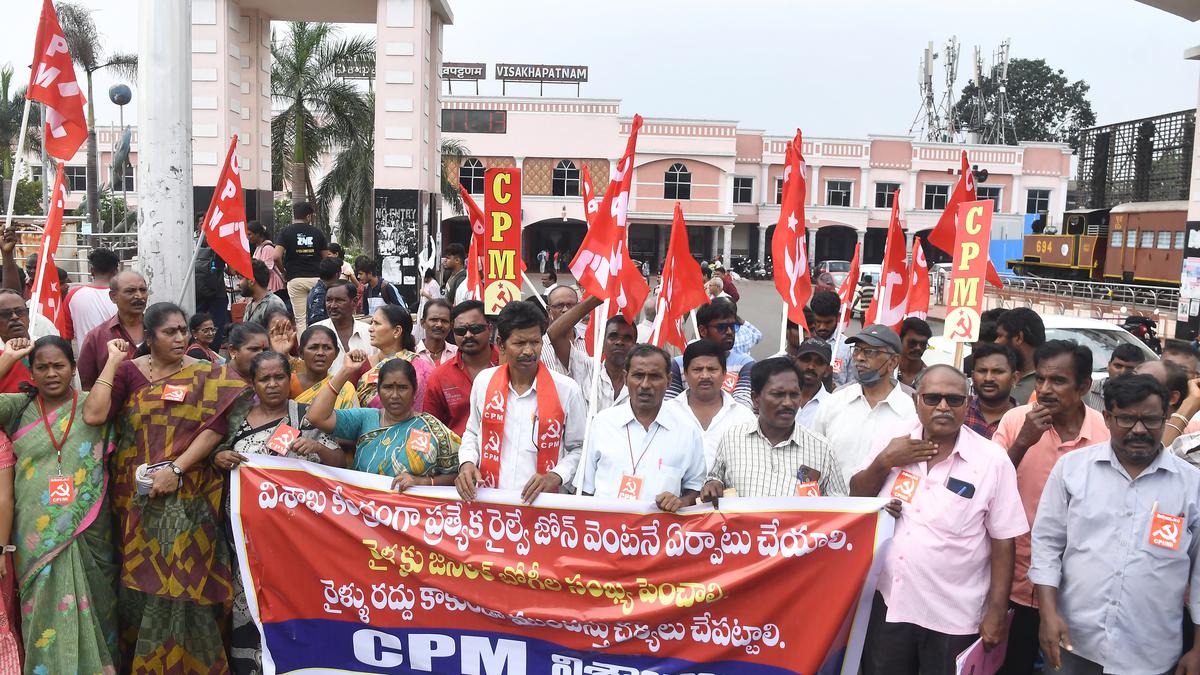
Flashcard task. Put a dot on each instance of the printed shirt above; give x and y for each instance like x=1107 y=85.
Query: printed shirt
x=737 y=377
x=937 y=571
x=360 y=338
x=669 y=456
x=731 y=413
x=1123 y=575
x=749 y=464
x=448 y=392
x=302 y=245
x=853 y=427
x=746 y=336
x=425 y=355
x=1032 y=473
x=518 y=453
x=842 y=366
x=978 y=422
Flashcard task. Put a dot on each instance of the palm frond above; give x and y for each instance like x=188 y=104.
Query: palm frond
x=83 y=37
x=123 y=65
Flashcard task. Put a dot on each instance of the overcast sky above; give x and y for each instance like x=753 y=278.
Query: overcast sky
x=834 y=68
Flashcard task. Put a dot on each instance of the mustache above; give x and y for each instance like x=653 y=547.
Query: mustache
x=1139 y=438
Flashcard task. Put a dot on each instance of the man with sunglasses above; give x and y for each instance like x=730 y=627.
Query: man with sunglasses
x=717 y=322
x=1115 y=545
x=1036 y=436
x=946 y=578
x=448 y=389
x=853 y=416
x=14 y=324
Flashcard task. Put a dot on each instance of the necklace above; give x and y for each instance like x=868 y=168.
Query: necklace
x=155 y=379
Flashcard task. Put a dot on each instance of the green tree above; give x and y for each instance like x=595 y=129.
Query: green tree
x=12 y=107
x=1042 y=104
x=314 y=104
x=87 y=50
x=452 y=148
x=283 y=212
x=351 y=176
x=29 y=198
x=112 y=210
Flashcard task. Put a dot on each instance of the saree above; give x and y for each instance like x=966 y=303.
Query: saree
x=420 y=445
x=175 y=568
x=64 y=563
x=368 y=391
x=346 y=398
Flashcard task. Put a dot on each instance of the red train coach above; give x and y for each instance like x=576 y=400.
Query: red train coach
x=1146 y=242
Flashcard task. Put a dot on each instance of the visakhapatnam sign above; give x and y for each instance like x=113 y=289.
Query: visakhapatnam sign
x=464 y=71
x=528 y=72
x=355 y=70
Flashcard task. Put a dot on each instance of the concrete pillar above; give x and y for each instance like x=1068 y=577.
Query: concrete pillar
x=864 y=188
x=727 y=194
x=1059 y=202
x=727 y=246
x=912 y=189
x=1017 y=199
x=664 y=241
x=764 y=188
x=165 y=222
x=815 y=188
x=762 y=242
x=811 y=235
x=862 y=235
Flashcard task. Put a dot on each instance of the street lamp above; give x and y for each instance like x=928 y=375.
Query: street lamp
x=120 y=95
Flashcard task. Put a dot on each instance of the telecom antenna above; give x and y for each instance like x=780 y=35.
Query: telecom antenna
x=1001 y=129
x=951 y=69
x=927 y=119
x=978 y=121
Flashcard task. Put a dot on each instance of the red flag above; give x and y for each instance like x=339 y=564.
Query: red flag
x=789 y=257
x=477 y=250
x=52 y=82
x=887 y=305
x=849 y=288
x=917 y=296
x=602 y=265
x=225 y=221
x=591 y=205
x=942 y=235
x=682 y=290
x=47 y=293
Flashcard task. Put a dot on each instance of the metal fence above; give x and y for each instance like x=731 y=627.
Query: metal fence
x=1116 y=295
x=75 y=244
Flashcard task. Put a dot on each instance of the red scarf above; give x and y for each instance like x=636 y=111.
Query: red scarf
x=550 y=420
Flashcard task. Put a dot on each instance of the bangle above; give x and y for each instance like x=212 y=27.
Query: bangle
x=1175 y=428
x=1183 y=419
x=329 y=383
x=101 y=380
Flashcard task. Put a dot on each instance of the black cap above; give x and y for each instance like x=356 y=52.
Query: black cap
x=877 y=335
x=816 y=346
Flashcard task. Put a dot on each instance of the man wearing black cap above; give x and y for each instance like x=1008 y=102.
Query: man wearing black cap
x=812 y=358
x=853 y=417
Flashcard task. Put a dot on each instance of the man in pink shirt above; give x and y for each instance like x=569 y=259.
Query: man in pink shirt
x=1036 y=436
x=947 y=575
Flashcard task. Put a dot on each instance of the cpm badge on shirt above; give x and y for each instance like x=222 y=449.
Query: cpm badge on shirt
x=1165 y=530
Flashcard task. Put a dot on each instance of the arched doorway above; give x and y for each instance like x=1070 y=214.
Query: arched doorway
x=873 y=244
x=834 y=242
x=933 y=254
x=456 y=230
x=552 y=235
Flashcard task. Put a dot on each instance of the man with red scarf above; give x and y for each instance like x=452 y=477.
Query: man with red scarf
x=525 y=430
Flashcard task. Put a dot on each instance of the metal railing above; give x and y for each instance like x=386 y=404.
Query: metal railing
x=75 y=244
x=1117 y=295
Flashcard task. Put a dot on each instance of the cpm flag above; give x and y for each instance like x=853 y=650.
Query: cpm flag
x=788 y=253
x=917 y=296
x=887 y=305
x=47 y=287
x=602 y=265
x=52 y=82
x=849 y=289
x=225 y=221
x=682 y=288
x=476 y=252
x=944 y=233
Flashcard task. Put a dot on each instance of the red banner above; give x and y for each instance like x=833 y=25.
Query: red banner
x=502 y=223
x=422 y=582
x=52 y=82
x=969 y=271
x=225 y=221
x=47 y=288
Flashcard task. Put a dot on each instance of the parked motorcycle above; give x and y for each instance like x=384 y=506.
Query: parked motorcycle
x=1144 y=329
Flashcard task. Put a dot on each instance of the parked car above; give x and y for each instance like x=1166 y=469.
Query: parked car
x=832 y=266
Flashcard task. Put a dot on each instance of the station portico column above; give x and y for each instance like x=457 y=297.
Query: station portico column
x=727 y=246
x=762 y=242
x=811 y=236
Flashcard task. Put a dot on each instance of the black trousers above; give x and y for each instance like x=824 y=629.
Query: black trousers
x=908 y=649
x=1023 y=644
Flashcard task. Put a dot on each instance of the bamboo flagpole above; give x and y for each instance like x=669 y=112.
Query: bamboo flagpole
x=12 y=191
x=597 y=326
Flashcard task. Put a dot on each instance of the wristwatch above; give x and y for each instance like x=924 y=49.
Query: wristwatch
x=8 y=548
x=175 y=469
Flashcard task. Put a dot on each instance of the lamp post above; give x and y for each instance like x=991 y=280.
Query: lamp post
x=121 y=96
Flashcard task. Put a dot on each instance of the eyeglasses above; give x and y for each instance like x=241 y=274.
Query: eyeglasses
x=206 y=331
x=1130 y=421
x=473 y=329
x=952 y=400
x=7 y=314
x=869 y=352
x=563 y=306
x=722 y=327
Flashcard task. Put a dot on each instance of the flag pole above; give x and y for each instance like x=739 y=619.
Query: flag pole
x=598 y=327
x=783 y=319
x=12 y=192
x=538 y=296
x=191 y=272
x=695 y=326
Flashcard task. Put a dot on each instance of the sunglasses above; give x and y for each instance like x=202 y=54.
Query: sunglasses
x=473 y=329
x=7 y=314
x=952 y=400
x=722 y=327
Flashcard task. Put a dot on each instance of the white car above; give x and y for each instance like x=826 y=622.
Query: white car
x=1102 y=337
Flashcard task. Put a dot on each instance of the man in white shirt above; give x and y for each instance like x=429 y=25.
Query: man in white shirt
x=89 y=305
x=352 y=335
x=812 y=358
x=662 y=456
x=704 y=404
x=858 y=414
x=527 y=422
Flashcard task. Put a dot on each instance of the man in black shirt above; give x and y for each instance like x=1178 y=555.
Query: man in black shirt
x=298 y=253
x=453 y=256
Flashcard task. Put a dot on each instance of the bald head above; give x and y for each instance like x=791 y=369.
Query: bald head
x=943 y=375
x=129 y=291
x=1169 y=374
x=561 y=300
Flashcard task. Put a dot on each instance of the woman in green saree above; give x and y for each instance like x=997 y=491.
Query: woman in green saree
x=63 y=528
x=392 y=440
x=169 y=410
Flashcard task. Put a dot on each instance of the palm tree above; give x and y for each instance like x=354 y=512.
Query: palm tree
x=315 y=105
x=452 y=148
x=12 y=107
x=351 y=176
x=87 y=51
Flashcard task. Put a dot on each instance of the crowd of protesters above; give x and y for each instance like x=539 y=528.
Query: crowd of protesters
x=1034 y=509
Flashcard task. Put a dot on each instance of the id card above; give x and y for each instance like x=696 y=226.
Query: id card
x=808 y=489
x=62 y=490
x=372 y=377
x=905 y=487
x=730 y=382
x=631 y=487
x=282 y=439
x=1165 y=530
x=174 y=392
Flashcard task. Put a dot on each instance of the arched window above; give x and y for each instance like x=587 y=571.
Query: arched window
x=470 y=174
x=678 y=182
x=566 y=179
